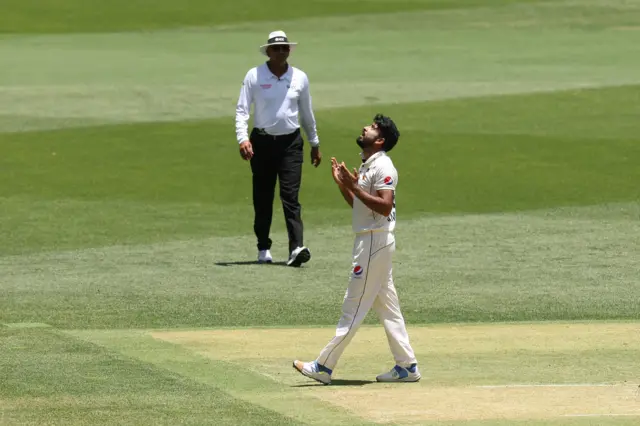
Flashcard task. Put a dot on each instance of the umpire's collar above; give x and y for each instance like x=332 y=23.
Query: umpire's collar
x=286 y=76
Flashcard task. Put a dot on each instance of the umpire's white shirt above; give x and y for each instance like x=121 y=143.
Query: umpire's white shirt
x=277 y=102
x=377 y=172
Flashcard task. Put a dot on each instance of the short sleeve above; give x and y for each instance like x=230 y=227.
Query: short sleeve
x=386 y=177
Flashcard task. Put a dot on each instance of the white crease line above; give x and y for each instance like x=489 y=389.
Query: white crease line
x=551 y=385
x=603 y=415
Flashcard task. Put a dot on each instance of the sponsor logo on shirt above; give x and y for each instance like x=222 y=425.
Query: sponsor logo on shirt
x=358 y=270
x=266 y=86
x=388 y=180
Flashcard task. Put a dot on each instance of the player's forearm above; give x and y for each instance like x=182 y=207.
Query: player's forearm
x=347 y=194
x=377 y=204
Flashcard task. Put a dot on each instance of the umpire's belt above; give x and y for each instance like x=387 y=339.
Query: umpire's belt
x=263 y=133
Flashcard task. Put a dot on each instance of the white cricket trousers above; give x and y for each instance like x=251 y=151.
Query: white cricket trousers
x=371 y=285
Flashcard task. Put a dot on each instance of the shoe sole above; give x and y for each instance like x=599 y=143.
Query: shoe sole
x=405 y=380
x=306 y=375
x=303 y=257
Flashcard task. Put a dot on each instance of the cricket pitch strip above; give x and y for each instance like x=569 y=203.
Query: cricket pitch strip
x=470 y=372
x=401 y=404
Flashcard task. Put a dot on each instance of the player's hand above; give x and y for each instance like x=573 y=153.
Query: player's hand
x=348 y=180
x=335 y=170
x=316 y=156
x=246 y=150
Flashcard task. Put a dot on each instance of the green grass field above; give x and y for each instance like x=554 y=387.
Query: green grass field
x=128 y=292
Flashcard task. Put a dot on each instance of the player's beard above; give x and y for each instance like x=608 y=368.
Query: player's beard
x=362 y=143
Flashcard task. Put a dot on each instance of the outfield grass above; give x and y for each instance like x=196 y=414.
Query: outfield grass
x=493 y=154
x=129 y=292
x=31 y=16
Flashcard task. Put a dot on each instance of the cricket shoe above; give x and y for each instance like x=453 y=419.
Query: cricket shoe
x=299 y=256
x=314 y=370
x=401 y=374
x=264 y=256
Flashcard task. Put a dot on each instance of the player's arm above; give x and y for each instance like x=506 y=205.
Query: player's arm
x=347 y=194
x=381 y=203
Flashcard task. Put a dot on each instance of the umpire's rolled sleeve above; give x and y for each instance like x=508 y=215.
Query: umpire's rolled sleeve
x=306 y=114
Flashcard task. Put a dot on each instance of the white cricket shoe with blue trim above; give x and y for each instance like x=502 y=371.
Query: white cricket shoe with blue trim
x=401 y=374
x=314 y=370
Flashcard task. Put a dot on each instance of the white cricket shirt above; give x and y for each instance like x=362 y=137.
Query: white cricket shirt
x=277 y=103
x=378 y=172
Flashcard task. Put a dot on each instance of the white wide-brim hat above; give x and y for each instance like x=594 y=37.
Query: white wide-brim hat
x=276 y=38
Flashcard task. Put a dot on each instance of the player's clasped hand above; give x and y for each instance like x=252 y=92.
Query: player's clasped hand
x=335 y=170
x=341 y=174
x=348 y=180
x=246 y=150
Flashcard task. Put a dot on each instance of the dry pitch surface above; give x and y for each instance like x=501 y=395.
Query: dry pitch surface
x=470 y=372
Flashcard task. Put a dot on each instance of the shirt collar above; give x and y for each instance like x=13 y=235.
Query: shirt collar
x=285 y=76
x=373 y=157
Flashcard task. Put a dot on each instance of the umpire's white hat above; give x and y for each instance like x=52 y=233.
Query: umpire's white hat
x=276 y=38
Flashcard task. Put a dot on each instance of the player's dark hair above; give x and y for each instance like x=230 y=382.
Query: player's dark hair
x=389 y=131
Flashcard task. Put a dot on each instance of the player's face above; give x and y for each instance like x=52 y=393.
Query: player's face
x=370 y=134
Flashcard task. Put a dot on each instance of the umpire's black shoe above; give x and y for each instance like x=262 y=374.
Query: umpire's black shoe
x=299 y=256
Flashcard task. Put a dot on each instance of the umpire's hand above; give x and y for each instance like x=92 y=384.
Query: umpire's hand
x=246 y=150
x=316 y=156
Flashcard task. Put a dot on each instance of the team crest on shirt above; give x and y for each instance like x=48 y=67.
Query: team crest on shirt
x=358 y=270
x=388 y=180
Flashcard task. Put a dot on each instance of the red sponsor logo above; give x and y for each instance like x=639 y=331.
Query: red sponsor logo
x=265 y=86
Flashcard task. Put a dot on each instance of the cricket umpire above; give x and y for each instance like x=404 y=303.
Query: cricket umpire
x=282 y=101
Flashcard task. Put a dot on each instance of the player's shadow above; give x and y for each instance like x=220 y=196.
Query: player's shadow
x=251 y=262
x=338 y=382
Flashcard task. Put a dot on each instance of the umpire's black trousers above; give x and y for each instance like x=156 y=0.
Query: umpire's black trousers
x=276 y=157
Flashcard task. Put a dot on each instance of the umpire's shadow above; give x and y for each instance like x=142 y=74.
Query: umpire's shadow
x=338 y=382
x=251 y=262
